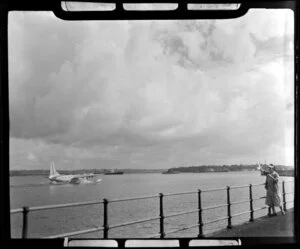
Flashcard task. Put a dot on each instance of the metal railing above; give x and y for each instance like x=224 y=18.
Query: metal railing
x=106 y=227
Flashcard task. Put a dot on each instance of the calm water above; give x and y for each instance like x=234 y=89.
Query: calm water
x=36 y=191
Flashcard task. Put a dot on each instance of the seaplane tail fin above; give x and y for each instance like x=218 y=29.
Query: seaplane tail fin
x=53 y=171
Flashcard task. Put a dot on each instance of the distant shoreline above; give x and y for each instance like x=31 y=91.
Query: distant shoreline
x=188 y=169
x=74 y=172
x=13 y=174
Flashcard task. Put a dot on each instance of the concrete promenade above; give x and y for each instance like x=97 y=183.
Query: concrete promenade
x=276 y=226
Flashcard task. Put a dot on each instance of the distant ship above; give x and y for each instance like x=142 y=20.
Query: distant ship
x=114 y=172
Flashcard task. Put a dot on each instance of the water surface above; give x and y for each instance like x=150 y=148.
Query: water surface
x=36 y=191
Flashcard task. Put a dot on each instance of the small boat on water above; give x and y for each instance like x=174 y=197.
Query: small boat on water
x=114 y=172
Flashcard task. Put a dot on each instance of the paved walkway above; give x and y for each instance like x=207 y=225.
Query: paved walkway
x=277 y=226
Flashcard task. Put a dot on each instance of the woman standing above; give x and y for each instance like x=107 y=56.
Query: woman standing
x=273 y=198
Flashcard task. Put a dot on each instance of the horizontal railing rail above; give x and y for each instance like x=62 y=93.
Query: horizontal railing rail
x=17 y=210
x=239 y=202
x=181 y=193
x=154 y=236
x=212 y=190
x=240 y=186
x=133 y=222
x=75 y=233
x=258 y=184
x=216 y=220
x=181 y=229
x=47 y=207
x=242 y=213
x=258 y=209
x=259 y=198
x=134 y=198
x=214 y=207
x=181 y=213
x=106 y=227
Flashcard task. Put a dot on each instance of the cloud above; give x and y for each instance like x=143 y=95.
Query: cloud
x=222 y=88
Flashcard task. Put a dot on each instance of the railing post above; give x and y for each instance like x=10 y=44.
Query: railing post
x=25 y=222
x=161 y=215
x=200 y=215
x=105 y=219
x=283 y=196
x=251 y=203
x=228 y=208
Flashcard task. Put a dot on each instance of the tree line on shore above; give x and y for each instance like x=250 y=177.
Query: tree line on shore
x=219 y=168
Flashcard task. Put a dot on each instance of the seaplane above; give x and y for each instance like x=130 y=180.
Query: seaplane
x=55 y=177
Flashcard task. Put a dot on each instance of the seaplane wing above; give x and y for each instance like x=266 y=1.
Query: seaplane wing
x=76 y=180
x=79 y=178
x=82 y=176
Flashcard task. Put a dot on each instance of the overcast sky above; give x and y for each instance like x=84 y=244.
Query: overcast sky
x=150 y=94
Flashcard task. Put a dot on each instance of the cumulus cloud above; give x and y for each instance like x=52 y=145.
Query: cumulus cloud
x=145 y=92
